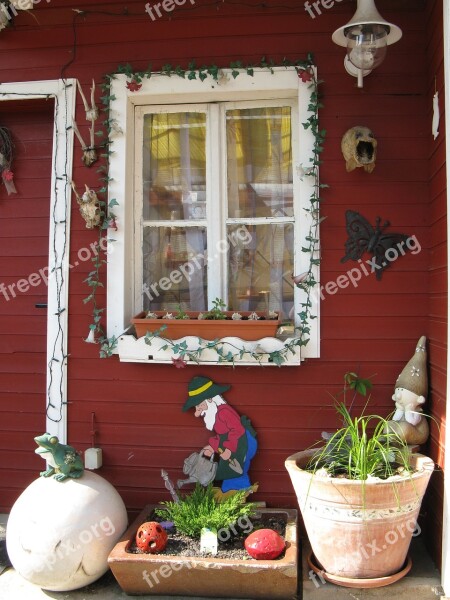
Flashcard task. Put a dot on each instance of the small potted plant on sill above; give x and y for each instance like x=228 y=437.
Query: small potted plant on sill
x=183 y=568
x=360 y=496
x=216 y=323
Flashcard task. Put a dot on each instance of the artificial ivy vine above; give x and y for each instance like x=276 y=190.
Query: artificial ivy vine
x=305 y=70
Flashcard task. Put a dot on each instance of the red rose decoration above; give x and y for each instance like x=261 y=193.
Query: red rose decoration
x=179 y=363
x=8 y=175
x=133 y=85
x=305 y=75
x=151 y=537
x=264 y=544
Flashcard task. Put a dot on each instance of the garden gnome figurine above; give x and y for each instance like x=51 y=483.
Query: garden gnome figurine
x=234 y=439
x=410 y=393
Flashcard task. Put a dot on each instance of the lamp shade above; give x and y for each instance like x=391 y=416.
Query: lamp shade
x=365 y=20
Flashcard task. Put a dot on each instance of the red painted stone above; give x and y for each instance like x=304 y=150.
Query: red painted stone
x=264 y=544
x=151 y=537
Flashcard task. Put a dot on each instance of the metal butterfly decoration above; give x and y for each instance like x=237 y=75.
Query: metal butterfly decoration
x=365 y=238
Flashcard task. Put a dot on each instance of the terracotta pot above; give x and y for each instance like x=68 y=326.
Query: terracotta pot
x=359 y=530
x=165 y=574
x=208 y=330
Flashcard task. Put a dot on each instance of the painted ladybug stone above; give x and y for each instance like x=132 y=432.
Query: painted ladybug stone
x=151 y=537
x=264 y=544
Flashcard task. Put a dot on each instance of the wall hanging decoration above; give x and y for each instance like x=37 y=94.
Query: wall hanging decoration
x=359 y=148
x=436 y=115
x=89 y=207
x=89 y=152
x=6 y=158
x=362 y=237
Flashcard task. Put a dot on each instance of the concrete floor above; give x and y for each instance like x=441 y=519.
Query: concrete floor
x=422 y=583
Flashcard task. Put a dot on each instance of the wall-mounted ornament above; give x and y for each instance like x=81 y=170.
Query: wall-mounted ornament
x=89 y=152
x=359 y=148
x=6 y=158
x=436 y=115
x=362 y=237
x=89 y=207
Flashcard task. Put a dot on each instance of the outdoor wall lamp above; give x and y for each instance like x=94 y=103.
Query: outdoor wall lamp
x=366 y=38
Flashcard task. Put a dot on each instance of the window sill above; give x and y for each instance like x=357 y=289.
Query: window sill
x=135 y=350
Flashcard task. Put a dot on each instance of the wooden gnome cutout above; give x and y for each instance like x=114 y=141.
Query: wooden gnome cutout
x=359 y=148
x=230 y=449
x=411 y=389
x=89 y=153
x=89 y=207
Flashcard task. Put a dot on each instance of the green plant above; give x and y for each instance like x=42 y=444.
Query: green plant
x=181 y=314
x=216 y=312
x=201 y=509
x=365 y=446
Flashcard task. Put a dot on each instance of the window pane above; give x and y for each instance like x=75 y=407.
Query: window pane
x=259 y=162
x=174 y=166
x=261 y=259
x=175 y=271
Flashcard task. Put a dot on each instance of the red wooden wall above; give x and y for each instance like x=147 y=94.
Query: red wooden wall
x=438 y=312
x=372 y=328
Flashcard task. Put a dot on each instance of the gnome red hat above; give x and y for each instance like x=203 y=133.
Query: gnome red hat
x=414 y=376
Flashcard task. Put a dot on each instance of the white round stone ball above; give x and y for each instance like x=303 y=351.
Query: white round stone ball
x=59 y=533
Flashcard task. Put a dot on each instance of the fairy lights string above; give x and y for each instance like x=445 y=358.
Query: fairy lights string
x=57 y=363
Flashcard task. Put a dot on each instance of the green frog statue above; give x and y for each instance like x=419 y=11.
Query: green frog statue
x=64 y=461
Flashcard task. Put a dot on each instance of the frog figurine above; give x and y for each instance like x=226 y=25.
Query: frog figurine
x=64 y=460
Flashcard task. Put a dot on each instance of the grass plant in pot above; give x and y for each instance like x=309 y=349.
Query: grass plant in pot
x=360 y=496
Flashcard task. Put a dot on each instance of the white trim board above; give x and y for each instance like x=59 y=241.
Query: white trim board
x=64 y=95
x=446 y=516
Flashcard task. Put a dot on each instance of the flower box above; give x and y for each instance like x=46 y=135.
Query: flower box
x=164 y=574
x=245 y=328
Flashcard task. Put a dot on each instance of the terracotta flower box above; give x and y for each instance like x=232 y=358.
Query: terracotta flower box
x=164 y=574
x=245 y=328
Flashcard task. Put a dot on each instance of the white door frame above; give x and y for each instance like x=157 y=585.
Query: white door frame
x=446 y=516
x=63 y=92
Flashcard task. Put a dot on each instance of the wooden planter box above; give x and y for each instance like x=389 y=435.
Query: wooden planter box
x=211 y=577
x=207 y=329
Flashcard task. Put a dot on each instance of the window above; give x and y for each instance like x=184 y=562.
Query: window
x=209 y=201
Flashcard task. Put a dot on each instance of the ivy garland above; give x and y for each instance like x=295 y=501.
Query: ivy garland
x=306 y=282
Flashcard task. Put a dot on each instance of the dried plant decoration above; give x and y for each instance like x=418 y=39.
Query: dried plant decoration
x=89 y=207
x=6 y=158
x=89 y=153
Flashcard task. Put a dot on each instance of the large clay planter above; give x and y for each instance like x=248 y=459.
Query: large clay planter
x=163 y=574
x=246 y=329
x=356 y=530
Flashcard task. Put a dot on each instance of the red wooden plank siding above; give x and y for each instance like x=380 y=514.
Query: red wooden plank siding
x=433 y=505
x=372 y=328
x=24 y=224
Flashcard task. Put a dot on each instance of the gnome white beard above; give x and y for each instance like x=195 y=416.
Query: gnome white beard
x=209 y=415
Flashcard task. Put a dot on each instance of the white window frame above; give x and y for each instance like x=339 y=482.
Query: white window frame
x=162 y=90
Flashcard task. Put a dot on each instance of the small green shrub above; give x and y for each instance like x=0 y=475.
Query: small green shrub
x=201 y=509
